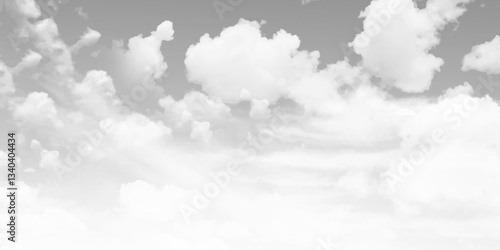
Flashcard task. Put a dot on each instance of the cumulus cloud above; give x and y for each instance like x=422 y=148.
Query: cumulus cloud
x=397 y=37
x=143 y=55
x=275 y=69
x=131 y=129
x=464 y=89
x=50 y=45
x=455 y=159
x=193 y=106
x=484 y=57
x=37 y=109
x=223 y=66
x=96 y=94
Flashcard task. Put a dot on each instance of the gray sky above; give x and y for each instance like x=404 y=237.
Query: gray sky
x=321 y=25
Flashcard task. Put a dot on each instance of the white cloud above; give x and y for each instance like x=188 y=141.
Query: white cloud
x=43 y=216
x=464 y=89
x=260 y=109
x=132 y=130
x=143 y=56
x=193 y=106
x=224 y=66
x=31 y=59
x=96 y=94
x=50 y=45
x=358 y=183
x=89 y=38
x=460 y=168
x=201 y=131
x=484 y=57
x=37 y=109
x=398 y=36
x=49 y=159
x=28 y=8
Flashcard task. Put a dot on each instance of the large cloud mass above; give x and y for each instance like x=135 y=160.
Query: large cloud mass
x=225 y=68
x=272 y=152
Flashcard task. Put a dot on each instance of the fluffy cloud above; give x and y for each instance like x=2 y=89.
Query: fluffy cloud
x=131 y=129
x=224 y=66
x=50 y=45
x=143 y=56
x=274 y=69
x=37 y=109
x=464 y=89
x=193 y=106
x=96 y=94
x=462 y=165
x=398 y=36
x=484 y=57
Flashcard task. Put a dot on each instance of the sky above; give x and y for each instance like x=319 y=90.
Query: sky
x=322 y=25
x=239 y=124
